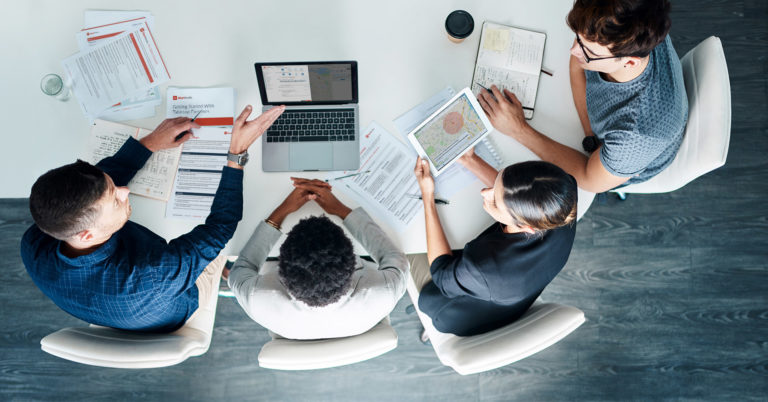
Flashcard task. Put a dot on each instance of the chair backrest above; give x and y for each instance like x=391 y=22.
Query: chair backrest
x=108 y=347
x=288 y=354
x=542 y=326
x=707 y=134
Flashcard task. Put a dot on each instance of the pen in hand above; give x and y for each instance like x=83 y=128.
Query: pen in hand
x=185 y=132
x=494 y=96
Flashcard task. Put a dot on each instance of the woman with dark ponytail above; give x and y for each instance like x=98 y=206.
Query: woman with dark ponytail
x=499 y=274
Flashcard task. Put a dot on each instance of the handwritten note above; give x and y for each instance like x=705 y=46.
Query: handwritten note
x=510 y=58
x=155 y=179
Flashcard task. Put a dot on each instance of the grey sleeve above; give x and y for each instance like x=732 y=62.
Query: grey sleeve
x=393 y=265
x=626 y=154
x=245 y=272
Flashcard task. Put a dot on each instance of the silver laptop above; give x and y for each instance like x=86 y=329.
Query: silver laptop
x=319 y=129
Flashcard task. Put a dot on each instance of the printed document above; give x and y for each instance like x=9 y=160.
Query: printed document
x=110 y=24
x=203 y=157
x=389 y=191
x=456 y=177
x=102 y=26
x=510 y=58
x=155 y=179
x=115 y=70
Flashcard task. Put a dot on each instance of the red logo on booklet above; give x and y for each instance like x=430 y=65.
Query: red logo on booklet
x=175 y=97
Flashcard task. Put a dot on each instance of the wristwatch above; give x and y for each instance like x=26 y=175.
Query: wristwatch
x=240 y=159
x=590 y=143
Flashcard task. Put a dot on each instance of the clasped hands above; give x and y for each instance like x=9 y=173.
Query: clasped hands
x=306 y=190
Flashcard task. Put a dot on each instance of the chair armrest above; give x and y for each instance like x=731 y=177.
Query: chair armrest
x=540 y=327
x=288 y=354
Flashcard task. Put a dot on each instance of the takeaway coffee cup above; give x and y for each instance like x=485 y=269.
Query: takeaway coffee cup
x=459 y=25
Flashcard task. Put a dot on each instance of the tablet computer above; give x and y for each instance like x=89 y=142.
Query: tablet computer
x=449 y=132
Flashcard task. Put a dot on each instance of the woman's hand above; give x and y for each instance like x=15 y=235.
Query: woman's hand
x=424 y=178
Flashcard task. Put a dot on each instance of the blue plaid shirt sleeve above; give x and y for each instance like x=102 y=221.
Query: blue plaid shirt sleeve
x=124 y=164
x=186 y=256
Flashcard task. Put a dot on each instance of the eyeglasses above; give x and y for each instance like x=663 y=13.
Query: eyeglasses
x=586 y=56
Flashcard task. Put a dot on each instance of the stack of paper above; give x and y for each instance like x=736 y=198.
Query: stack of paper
x=390 y=190
x=116 y=73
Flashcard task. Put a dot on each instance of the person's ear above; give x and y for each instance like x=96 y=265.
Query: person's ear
x=630 y=62
x=84 y=236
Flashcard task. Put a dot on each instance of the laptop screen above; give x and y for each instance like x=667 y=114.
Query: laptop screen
x=296 y=83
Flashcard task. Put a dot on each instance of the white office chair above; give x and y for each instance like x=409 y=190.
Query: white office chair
x=289 y=354
x=542 y=326
x=108 y=347
x=707 y=135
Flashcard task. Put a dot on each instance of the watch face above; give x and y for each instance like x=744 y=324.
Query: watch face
x=243 y=159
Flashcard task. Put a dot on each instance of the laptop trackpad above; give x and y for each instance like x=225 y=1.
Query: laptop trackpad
x=311 y=156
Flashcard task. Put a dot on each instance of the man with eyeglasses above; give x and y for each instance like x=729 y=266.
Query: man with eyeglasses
x=627 y=85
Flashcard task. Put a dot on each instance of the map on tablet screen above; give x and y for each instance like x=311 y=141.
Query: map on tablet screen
x=451 y=132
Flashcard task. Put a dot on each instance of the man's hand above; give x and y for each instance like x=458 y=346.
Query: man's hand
x=424 y=178
x=245 y=133
x=164 y=136
x=505 y=113
x=295 y=200
x=323 y=196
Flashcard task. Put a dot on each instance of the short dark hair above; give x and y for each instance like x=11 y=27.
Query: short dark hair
x=540 y=195
x=63 y=200
x=628 y=28
x=316 y=261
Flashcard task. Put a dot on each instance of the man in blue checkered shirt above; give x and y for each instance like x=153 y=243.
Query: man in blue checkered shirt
x=92 y=262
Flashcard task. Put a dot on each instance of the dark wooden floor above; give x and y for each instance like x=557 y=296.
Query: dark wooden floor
x=674 y=287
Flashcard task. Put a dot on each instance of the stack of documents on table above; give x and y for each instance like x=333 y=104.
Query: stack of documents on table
x=116 y=73
x=204 y=156
x=155 y=179
x=390 y=190
x=457 y=176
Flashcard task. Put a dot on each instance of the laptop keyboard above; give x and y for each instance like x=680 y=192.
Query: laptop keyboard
x=313 y=125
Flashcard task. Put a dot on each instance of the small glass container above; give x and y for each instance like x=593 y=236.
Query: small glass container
x=52 y=85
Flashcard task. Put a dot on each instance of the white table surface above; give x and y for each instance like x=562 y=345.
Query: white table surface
x=403 y=53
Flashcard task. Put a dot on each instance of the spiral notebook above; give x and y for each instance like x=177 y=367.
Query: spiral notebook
x=510 y=58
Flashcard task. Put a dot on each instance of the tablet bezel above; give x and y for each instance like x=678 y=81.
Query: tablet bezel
x=480 y=112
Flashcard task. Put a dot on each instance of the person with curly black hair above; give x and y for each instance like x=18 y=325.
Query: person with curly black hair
x=318 y=288
x=316 y=261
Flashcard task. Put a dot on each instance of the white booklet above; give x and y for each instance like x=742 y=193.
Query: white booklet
x=510 y=58
x=155 y=179
x=204 y=157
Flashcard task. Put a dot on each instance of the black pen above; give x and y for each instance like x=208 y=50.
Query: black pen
x=185 y=132
x=437 y=200
x=494 y=96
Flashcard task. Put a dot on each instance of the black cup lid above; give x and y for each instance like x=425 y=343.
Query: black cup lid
x=459 y=24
